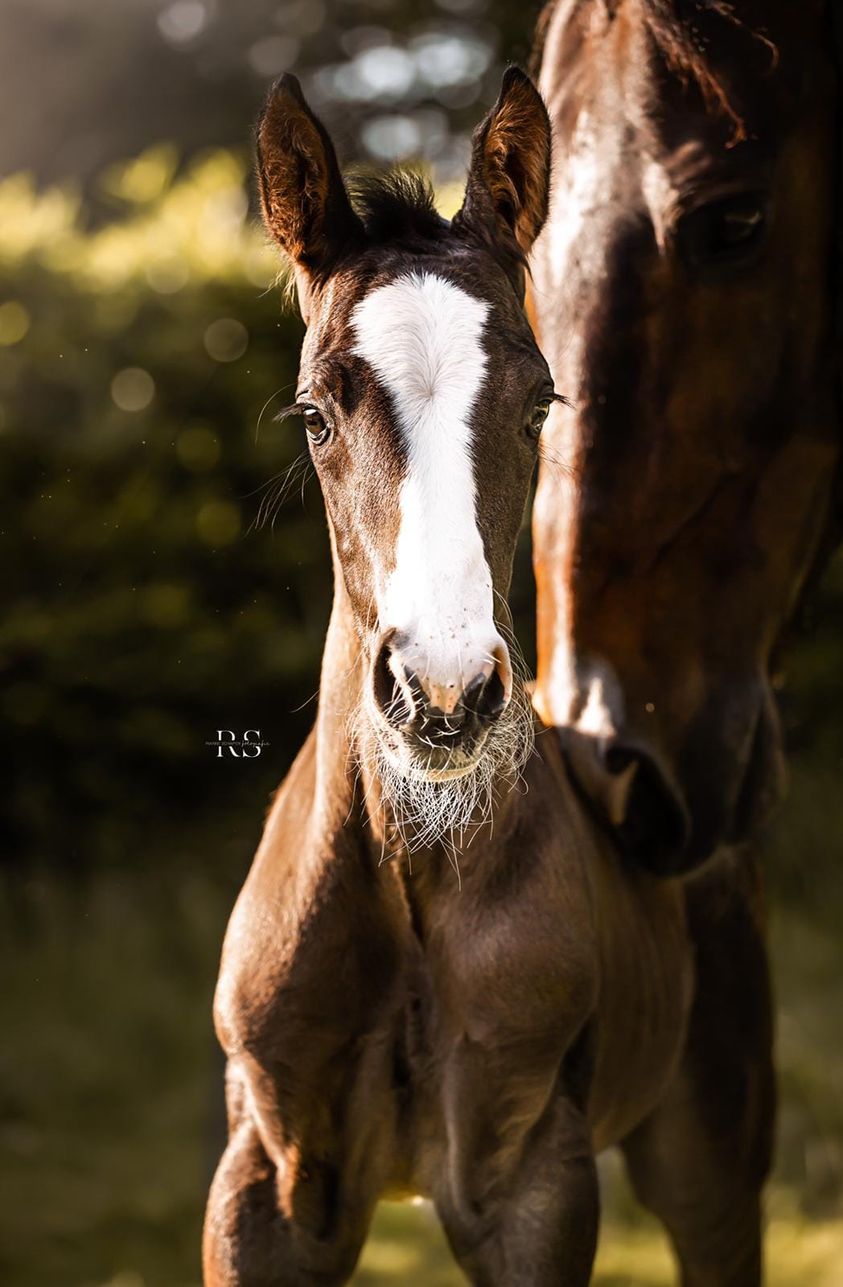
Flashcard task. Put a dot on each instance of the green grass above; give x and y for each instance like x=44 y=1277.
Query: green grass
x=407 y=1247
x=110 y=1106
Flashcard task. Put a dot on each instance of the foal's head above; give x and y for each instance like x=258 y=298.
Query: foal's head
x=423 y=395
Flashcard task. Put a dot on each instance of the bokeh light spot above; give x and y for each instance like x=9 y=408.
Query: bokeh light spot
x=144 y=179
x=132 y=389
x=182 y=21
x=445 y=59
x=218 y=522
x=260 y=264
x=385 y=72
x=14 y=322
x=166 y=276
x=273 y=55
x=392 y=138
x=226 y=339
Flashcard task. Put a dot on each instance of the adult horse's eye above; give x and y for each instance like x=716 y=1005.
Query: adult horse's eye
x=537 y=419
x=724 y=232
x=314 y=422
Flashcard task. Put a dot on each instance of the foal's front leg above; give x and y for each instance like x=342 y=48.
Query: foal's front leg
x=520 y=1205
x=286 y=1212
x=545 y=1231
x=249 y=1241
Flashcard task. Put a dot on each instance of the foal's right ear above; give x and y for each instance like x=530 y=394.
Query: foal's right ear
x=305 y=202
x=508 y=187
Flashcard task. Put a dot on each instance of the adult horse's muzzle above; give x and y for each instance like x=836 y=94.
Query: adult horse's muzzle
x=624 y=783
x=670 y=812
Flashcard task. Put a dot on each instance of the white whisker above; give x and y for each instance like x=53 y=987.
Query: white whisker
x=426 y=810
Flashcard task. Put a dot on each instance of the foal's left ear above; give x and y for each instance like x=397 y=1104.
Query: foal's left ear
x=508 y=185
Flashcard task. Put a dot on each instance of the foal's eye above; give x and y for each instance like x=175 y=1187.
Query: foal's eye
x=724 y=232
x=318 y=431
x=537 y=419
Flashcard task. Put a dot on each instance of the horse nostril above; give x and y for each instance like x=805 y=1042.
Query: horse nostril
x=652 y=821
x=484 y=697
x=437 y=709
x=619 y=758
x=391 y=697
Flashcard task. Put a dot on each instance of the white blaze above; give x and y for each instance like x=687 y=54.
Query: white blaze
x=422 y=335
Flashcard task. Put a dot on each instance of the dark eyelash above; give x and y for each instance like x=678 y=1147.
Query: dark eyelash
x=294 y=409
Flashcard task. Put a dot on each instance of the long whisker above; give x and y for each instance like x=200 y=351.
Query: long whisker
x=278 y=489
x=550 y=460
x=270 y=399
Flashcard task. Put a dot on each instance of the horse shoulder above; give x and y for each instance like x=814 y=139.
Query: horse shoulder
x=315 y=941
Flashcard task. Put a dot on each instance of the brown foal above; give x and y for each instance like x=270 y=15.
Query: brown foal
x=392 y=1029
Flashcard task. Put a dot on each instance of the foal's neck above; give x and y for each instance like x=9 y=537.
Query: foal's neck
x=340 y=694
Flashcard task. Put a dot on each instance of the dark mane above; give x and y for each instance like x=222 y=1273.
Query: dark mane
x=675 y=26
x=398 y=208
x=685 y=48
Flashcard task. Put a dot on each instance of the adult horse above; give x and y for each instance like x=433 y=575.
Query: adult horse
x=684 y=290
x=386 y=1030
x=684 y=298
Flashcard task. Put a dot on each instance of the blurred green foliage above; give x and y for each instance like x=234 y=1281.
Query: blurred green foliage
x=140 y=367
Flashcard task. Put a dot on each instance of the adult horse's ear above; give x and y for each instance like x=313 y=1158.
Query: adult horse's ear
x=305 y=203
x=508 y=187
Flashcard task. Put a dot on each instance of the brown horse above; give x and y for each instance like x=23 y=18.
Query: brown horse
x=388 y=1031
x=684 y=299
x=683 y=295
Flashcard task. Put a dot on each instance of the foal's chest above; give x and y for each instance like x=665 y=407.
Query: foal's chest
x=506 y=988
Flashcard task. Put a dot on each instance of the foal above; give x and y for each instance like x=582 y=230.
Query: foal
x=387 y=1032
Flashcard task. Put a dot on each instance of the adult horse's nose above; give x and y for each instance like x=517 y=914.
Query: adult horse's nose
x=635 y=794
x=441 y=708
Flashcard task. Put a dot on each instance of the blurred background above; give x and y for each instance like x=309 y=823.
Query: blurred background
x=166 y=574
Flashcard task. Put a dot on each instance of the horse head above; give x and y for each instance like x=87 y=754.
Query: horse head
x=684 y=300
x=423 y=395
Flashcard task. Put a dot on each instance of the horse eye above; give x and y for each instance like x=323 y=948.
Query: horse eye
x=537 y=419
x=729 y=231
x=314 y=422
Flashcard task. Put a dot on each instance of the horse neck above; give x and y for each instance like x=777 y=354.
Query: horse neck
x=340 y=692
x=346 y=795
